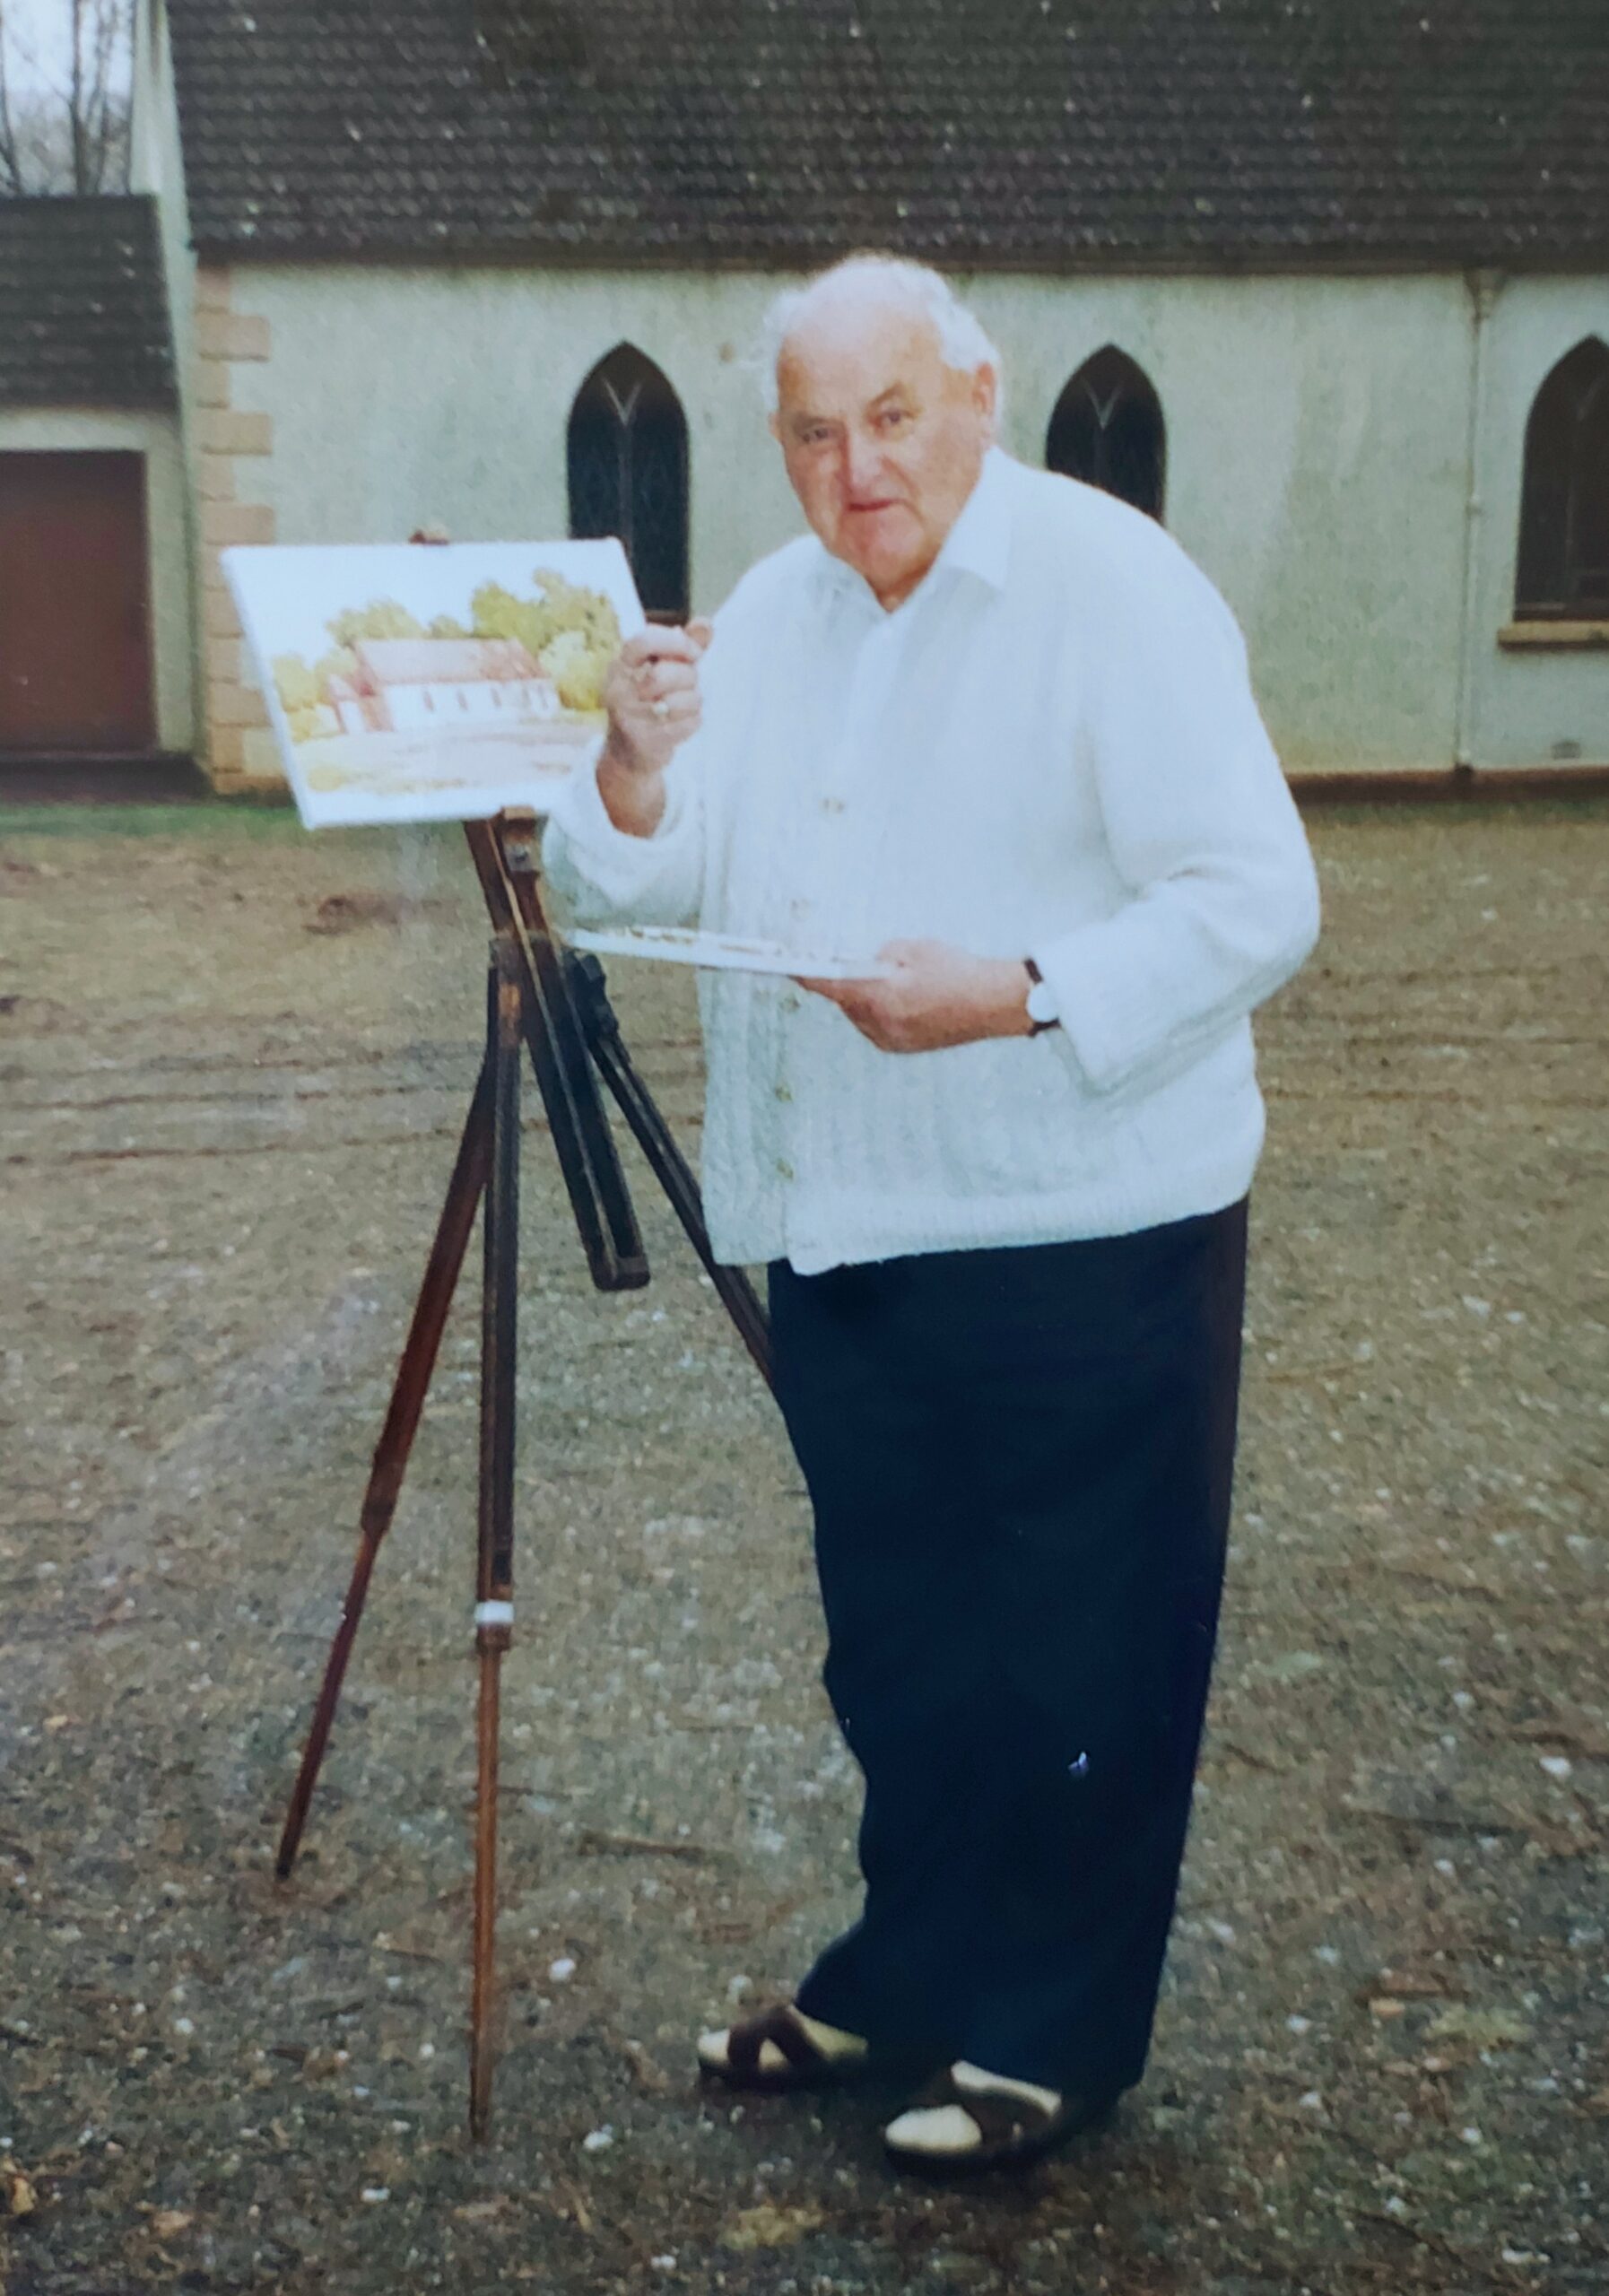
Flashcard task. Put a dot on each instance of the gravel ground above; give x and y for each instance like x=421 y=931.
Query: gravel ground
x=234 y=1061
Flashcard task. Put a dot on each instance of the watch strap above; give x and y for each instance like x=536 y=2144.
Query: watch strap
x=1036 y=979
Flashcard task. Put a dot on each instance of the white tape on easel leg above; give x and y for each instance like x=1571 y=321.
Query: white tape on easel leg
x=494 y=1613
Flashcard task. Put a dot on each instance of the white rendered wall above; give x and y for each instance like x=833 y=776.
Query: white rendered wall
x=1318 y=451
x=1533 y=706
x=156 y=165
x=402 y=396
x=155 y=436
x=1316 y=469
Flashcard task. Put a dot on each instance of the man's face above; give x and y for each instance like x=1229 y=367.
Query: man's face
x=882 y=441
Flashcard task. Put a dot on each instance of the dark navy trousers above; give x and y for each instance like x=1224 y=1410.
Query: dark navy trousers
x=1019 y=1463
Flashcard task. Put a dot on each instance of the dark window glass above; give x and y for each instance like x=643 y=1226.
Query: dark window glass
x=1564 y=503
x=1107 y=429
x=628 y=473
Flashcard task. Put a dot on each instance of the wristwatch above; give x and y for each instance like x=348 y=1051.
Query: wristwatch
x=1041 y=1000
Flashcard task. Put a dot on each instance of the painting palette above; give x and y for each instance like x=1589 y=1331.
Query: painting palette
x=724 y=952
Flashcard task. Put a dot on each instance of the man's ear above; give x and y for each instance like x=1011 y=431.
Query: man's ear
x=986 y=393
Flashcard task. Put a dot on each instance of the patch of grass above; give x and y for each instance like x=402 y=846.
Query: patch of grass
x=183 y=819
x=1401 y=812
x=230 y=823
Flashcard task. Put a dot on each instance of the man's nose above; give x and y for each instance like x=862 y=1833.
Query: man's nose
x=862 y=462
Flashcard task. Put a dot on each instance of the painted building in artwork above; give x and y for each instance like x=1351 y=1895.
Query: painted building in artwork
x=1323 y=284
x=407 y=685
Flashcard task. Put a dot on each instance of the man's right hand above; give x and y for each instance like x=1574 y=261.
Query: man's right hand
x=652 y=695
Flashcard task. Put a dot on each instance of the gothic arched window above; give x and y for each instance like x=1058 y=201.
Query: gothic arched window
x=628 y=473
x=1564 y=502
x=1107 y=429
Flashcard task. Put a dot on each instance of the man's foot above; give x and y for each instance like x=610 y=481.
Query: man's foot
x=967 y=2118
x=782 y=2048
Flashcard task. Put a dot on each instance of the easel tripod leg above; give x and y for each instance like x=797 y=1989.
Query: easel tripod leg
x=397 y=1438
x=494 y=1572
x=669 y=1166
x=481 y=2054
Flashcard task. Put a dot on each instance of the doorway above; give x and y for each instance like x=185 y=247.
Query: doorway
x=75 y=656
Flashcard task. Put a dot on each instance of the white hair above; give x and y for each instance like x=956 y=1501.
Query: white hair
x=884 y=281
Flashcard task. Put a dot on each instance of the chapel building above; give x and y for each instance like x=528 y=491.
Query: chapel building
x=1321 y=284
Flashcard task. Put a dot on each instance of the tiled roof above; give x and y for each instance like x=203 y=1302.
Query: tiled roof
x=84 y=316
x=1036 y=134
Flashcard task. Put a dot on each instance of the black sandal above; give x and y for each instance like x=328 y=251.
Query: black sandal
x=805 y=2065
x=1012 y=2130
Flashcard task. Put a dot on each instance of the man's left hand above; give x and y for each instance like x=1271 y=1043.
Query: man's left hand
x=933 y=995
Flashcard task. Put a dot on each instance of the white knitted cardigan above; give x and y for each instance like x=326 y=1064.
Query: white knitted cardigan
x=1051 y=749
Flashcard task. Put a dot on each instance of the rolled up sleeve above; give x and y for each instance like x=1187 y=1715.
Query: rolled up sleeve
x=1202 y=831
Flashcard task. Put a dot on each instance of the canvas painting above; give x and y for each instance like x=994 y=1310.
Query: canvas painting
x=432 y=682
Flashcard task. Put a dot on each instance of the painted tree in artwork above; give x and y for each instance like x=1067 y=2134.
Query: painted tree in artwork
x=298 y=685
x=64 y=95
x=340 y=662
x=380 y=618
x=573 y=632
x=577 y=669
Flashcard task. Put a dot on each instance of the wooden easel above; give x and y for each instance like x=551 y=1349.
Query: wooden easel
x=555 y=1003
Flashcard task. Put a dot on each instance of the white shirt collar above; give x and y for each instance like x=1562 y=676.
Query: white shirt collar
x=979 y=542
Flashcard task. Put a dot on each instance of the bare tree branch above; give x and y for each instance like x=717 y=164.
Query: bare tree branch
x=75 y=96
x=11 y=158
x=66 y=130
x=113 y=37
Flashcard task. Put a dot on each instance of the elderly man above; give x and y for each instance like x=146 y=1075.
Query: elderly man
x=994 y=726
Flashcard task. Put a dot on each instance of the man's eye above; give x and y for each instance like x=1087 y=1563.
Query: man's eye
x=894 y=418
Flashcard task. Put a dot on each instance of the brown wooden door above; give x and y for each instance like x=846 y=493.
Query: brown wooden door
x=75 y=607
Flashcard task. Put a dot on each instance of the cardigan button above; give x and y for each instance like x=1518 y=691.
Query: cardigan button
x=785 y=1170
